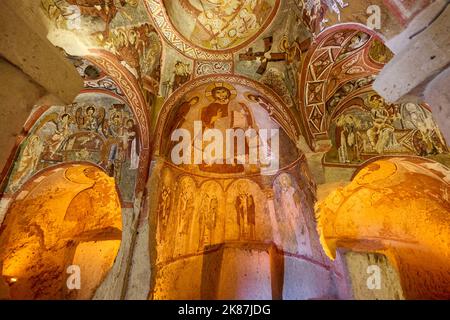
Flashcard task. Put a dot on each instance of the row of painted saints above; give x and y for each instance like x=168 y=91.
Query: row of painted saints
x=382 y=129
x=108 y=137
x=191 y=220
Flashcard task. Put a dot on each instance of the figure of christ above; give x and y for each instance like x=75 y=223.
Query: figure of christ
x=222 y=114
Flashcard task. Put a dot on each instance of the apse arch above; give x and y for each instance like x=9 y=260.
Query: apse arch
x=339 y=54
x=133 y=92
x=267 y=99
x=65 y=221
x=399 y=207
x=227 y=211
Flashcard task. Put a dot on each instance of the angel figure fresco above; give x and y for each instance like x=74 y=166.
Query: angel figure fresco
x=292 y=208
x=245 y=213
x=57 y=140
x=126 y=45
x=347 y=126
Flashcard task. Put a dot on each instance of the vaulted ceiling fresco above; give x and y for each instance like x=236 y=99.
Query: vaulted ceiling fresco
x=153 y=66
x=220 y=24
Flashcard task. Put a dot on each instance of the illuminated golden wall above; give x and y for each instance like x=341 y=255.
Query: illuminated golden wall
x=398 y=207
x=66 y=216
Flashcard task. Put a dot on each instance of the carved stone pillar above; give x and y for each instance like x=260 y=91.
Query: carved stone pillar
x=420 y=68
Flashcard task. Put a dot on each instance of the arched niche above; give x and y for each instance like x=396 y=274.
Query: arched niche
x=246 y=105
x=61 y=234
x=397 y=207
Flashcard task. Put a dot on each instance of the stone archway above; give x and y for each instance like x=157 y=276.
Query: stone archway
x=64 y=221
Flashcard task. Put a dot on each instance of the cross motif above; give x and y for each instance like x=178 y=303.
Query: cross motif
x=265 y=56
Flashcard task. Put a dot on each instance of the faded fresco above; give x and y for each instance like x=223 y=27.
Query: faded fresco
x=121 y=27
x=292 y=214
x=102 y=131
x=219 y=24
x=177 y=70
x=368 y=127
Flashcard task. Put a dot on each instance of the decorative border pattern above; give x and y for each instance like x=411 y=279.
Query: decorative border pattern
x=315 y=77
x=204 y=68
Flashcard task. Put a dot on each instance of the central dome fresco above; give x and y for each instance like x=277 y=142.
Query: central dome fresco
x=220 y=24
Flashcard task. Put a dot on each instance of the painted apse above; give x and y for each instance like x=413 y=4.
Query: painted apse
x=99 y=138
x=341 y=111
x=221 y=225
x=369 y=127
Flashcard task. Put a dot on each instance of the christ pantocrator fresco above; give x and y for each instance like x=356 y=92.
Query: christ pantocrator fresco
x=219 y=24
x=222 y=113
x=238 y=117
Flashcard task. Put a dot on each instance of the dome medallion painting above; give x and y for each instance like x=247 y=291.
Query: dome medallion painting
x=242 y=150
x=220 y=25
